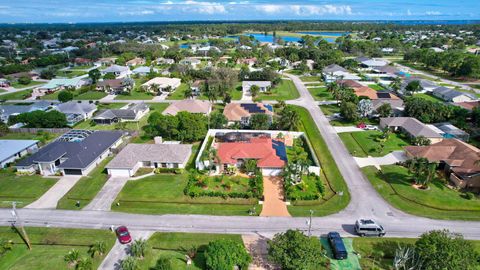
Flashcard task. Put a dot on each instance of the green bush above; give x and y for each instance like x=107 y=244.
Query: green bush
x=469 y=195
x=225 y=255
x=168 y=170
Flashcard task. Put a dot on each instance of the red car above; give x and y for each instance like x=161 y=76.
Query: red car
x=361 y=125
x=123 y=235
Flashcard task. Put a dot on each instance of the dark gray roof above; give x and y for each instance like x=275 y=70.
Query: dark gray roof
x=78 y=154
x=75 y=107
x=129 y=113
x=448 y=93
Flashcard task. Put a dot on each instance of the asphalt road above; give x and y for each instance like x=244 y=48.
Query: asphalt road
x=365 y=203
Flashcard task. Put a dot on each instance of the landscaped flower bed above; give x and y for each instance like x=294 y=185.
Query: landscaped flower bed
x=311 y=188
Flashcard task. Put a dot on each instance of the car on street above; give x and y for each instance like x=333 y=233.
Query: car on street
x=123 y=235
x=337 y=245
x=368 y=227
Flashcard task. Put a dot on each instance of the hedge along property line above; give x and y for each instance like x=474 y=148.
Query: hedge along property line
x=419 y=203
x=324 y=157
x=188 y=203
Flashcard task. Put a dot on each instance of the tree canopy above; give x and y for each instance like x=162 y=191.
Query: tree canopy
x=225 y=255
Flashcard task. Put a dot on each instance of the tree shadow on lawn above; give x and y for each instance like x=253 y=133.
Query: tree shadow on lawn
x=395 y=178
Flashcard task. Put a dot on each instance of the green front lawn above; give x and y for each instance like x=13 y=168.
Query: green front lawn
x=175 y=245
x=22 y=189
x=19 y=95
x=179 y=93
x=331 y=203
x=428 y=97
x=366 y=143
x=285 y=90
x=50 y=245
x=21 y=86
x=320 y=94
x=135 y=95
x=89 y=95
x=85 y=189
x=330 y=109
x=163 y=194
x=311 y=79
x=439 y=202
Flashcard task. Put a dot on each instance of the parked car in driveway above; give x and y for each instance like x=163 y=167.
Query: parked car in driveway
x=123 y=235
x=337 y=245
x=370 y=127
x=368 y=227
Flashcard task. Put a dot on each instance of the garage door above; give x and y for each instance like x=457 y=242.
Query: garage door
x=271 y=171
x=72 y=172
x=119 y=172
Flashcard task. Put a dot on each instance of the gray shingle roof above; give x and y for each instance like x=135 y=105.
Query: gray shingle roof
x=410 y=125
x=161 y=153
x=74 y=107
x=333 y=68
x=448 y=93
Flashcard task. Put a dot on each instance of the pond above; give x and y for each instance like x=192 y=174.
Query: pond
x=269 y=38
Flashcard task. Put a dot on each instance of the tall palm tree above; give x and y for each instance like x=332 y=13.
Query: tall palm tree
x=289 y=119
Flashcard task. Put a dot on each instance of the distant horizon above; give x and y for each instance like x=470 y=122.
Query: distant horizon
x=111 y=11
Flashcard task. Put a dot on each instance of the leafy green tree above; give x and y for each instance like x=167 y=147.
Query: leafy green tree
x=65 y=96
x=129 y=263
x=24 y=80
x=48 y=73
x=188 y=93
x=421 y=141
x=138 y=248
x=442 y=249
x=348 y=110
x=41 y=119
x=225 y=255
x=385 y=110
x=94 y=75
x=260 y=121
x=217 y=120
x=293 y=250
x=413 y=87
x=250 y=165
x=109 y=76
x=3 y=128
x=288 y=119
x=254 y=90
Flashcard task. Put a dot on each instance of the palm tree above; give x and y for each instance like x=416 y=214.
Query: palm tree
x=72 y=257
x=138 y=248
x=84 y=264
x=212 y=156
x=289 y=119
x=188 y=93
x=430 y=173
x=99 y=248
x=129 y=263
x=333 y=88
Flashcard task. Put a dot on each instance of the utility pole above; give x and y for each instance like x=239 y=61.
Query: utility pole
x=20 y=224
x=309 y=222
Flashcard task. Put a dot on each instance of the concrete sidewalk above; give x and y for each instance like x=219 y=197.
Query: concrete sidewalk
x=119 y=252
x=50 y=199
x=347 y=129
x=392 y=158
x=104 y=199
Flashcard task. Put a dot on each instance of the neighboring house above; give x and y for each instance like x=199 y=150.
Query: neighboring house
x=386 y=70
x=164 y=84
x=137 y=61
x=241 y=112
x=373 y=63
x=395 y=104
x=116 y=86
x=15 y=76
x=135 y=156
x=190 y=61
x=118 y=71
x=189 y=105
x=449 y=131
x=131 y=112
x=269 y=153
x=106 y=61
x=450 y=95
x=469 y=105
x=76 y=111
x=458 y=159
x=11 y=150
x=144 y=70
x=196 y=87
x=411 y=126
x=10 y=110
x=263 y=86
x=82 y=61
x=247 y=61
x=167 y=61
x=61 y=84
x=335 y=72
x=76 y=152
x=426 y=85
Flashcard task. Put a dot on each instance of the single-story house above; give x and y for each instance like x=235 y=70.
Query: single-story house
x=76 y=111
x=468 y=105
x=11 y=150
x=135 y=156
x=189 y=105
x=269 y=153
x=76 y=152
x=241 y=112
x=457 y=158
x=118 y=71
x=396 y=105
x=335 y=72
x=247 y=61
x=131 y=112
x=426 y=85
x=262 y=85
x=164 y=84
x=411 y=126
x=373 y=63
x=135 y=62
x=106 y=61
x=167 y=61
x=115 y=86
x=143 y=70
x=450 y=95
x=60 y=84
x=190 y=61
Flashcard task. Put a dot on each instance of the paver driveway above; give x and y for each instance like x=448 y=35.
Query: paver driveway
x=273 y=205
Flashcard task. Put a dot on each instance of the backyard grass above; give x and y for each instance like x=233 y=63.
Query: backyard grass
x=43 y=137
x=21 y=86
x=376 y=87
x=438 y=202
x=330 y=171
x=85 y=189
x=428 y=97
x=175 y=245
x=285 y=90
x=320 y=93
x=330 y=109
x=19 y=95
x=366 y=143
x=50 y=245
x=22 y=189
x=163 y=194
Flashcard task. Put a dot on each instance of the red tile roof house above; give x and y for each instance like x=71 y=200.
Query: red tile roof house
x=264 y=150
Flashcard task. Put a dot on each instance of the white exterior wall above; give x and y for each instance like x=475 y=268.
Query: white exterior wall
x=120 y=172
x=271 y=171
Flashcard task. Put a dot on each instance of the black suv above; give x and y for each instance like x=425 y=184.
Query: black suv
x=338 y=248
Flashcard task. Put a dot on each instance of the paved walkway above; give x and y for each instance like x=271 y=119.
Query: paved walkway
x=246 y=96
x=257 y=247
x=392 y=158
x=50 y=199
x=119 y=252
x=347 y=129
x=273 y=205
x=104 y=199
x=108 y=98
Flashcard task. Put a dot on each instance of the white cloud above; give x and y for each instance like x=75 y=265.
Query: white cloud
x=306 y=10
x=269 y=8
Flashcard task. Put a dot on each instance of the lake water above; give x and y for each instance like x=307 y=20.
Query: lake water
x=270 y=39
x=321 y=33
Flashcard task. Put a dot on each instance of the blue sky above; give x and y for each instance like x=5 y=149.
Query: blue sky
x=35 y=11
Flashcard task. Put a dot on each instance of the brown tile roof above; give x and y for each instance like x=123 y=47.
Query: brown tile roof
x=469 y=105
x=350 y=83
x=235 y=111
x=189 y=105
x=457 y=154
